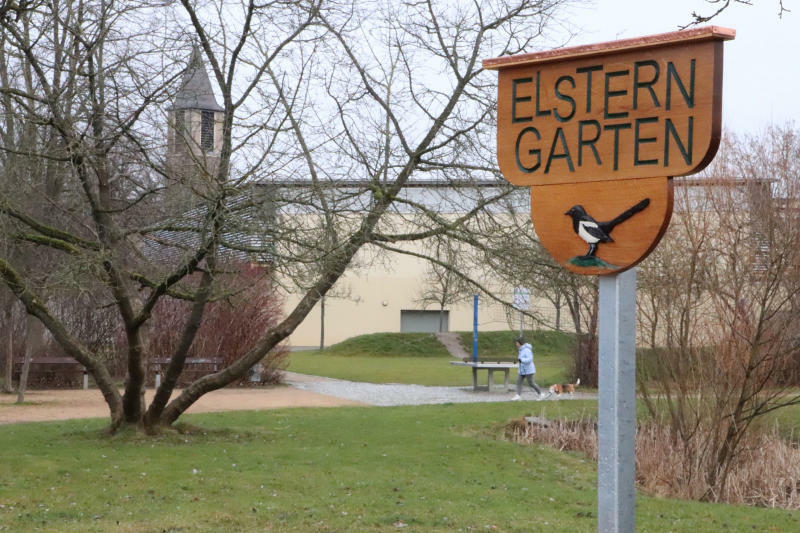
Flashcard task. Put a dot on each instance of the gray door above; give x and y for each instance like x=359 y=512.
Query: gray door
x=423 y=321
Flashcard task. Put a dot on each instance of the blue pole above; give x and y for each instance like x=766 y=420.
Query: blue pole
x=475 y=328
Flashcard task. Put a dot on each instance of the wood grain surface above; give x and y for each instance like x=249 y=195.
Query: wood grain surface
x=631 y=114
x=634 y=239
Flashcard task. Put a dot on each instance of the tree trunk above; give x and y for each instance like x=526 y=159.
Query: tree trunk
x=557 y=305
x=23 y=375
x=8 y=386
x=33 y=341
x=322 y=323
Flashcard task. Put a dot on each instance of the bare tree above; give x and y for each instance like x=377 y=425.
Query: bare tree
x=21 y=136
x=442 y=285
x=716 y=7
x=511 y=252
x=312 y=95
x=718 y=303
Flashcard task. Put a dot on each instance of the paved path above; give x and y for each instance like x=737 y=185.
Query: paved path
x=399 y=394
x=301 y=391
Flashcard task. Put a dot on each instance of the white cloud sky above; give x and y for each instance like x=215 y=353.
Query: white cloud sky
x=762 y=65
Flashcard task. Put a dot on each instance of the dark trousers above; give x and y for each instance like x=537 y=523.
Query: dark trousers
x=531 y=382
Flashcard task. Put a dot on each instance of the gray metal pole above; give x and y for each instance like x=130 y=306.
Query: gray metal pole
x=616 y=428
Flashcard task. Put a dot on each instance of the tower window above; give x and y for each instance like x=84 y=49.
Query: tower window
x=207 y=131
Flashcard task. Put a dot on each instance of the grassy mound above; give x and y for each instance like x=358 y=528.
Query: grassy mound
x=495 y=345
x=390 y=345
x=499 y=345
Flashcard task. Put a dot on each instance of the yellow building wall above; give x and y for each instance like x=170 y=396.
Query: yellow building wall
x=371 y=300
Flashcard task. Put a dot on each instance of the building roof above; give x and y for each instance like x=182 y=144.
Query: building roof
x=195 y=91
x=248 y=217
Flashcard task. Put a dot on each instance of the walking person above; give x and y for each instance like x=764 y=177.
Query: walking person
x=526 y=368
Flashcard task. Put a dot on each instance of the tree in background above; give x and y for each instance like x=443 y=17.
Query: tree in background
x=442 y=285
x=718 y=303
x=7 y=344
x=24 y=180
x=718 y=6
x=310 y=92
x=509 y=250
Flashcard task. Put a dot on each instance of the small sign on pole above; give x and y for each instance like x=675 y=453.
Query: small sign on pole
x=522 y=299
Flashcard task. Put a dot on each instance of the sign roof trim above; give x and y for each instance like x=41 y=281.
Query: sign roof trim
x=704 y=33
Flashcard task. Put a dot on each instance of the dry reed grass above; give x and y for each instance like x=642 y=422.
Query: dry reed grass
x=765 y=474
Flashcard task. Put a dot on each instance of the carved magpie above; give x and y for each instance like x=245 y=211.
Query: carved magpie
x=594 y=232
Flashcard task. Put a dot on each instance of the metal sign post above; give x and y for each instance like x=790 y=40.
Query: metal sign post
x=616 y=427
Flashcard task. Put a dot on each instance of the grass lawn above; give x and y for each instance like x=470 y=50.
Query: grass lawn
x=412 y=370
x=429 y=468
x=418 y=358
x=787 y=419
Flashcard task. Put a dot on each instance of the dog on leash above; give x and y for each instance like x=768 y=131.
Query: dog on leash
x=562 y=388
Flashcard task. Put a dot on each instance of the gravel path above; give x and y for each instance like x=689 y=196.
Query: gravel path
x=301 y=391
x=399 y=394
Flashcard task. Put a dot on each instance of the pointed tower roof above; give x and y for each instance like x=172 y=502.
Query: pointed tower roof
x=195 y=91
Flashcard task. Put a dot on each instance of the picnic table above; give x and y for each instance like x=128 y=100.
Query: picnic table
x=490 y=367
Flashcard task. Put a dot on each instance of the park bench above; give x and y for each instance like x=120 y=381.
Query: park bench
x=53 y=372
x=193 y=368
x=490 y=367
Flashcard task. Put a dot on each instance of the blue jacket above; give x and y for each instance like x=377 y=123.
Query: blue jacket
x=525 y=356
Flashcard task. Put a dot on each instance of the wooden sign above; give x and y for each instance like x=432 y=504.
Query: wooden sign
x=598 y=132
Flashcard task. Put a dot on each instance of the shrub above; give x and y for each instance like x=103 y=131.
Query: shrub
x=229 y=327
x=766 y=473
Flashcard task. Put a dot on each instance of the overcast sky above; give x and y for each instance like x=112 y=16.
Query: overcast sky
x=762 y=65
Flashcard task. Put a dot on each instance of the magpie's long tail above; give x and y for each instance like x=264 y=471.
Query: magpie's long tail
x=628 y=213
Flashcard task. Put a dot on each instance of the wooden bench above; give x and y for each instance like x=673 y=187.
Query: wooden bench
x=53 y=372
x=490 y=368
x=193 y=368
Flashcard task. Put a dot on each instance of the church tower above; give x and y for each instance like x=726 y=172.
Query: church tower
x=194 y=136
